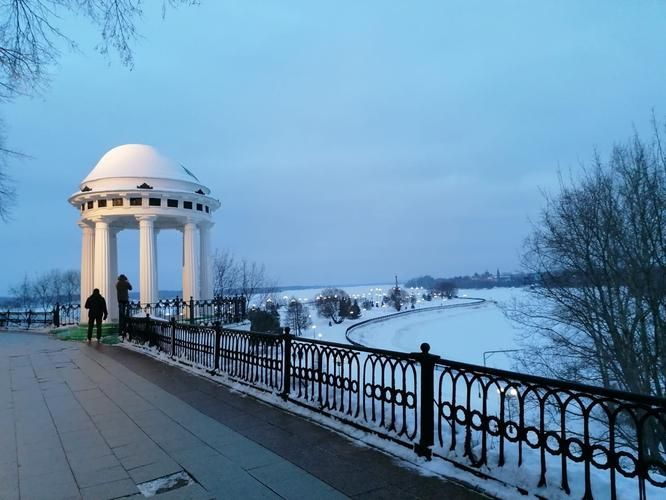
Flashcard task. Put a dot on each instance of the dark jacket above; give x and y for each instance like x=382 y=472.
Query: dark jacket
x=96 y=306
x=123 y=287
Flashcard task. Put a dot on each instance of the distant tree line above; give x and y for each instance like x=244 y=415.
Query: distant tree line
x=476 y=280
x=437 y=287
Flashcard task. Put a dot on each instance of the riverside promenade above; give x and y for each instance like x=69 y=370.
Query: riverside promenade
x=102 y=422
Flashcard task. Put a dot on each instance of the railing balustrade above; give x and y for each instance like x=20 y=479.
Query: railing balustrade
x=59 y=315
x=203 y=312
x=585 y=440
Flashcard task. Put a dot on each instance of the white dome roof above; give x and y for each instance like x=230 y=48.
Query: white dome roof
x=130 y=166
x=141 y=162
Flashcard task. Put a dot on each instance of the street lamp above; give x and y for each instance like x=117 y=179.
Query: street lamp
x=314 y=331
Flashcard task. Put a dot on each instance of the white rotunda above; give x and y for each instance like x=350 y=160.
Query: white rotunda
x=134 y=186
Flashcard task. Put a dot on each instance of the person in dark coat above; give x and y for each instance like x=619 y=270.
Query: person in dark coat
x=123 y=286
x=96 y=306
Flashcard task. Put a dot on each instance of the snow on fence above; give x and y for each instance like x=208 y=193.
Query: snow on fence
x=587 y=441
x=544 y=436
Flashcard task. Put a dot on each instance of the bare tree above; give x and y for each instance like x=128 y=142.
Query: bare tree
x=298 y=316
x=397 y=298
x=43 y=292
x=30 y=36
x=225 y=274
x=23 y=295
x=599 y=250
x=247 y=279
x=49 y=288
x=7 y=191
x=71 y=284
x=253 y=283
x=334 y=304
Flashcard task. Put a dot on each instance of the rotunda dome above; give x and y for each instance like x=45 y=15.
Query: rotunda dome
x=131 y=164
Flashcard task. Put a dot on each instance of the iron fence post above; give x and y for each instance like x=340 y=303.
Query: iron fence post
x=216 y=352
x=286 y=364
x=173 y=336
x=56 y=315
x=427 y=404
x=148 y=331
x=191 y=310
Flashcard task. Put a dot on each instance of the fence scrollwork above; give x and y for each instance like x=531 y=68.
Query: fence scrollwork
x=475 y=417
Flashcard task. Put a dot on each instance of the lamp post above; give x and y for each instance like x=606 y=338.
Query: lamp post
x=488 y=354
x=314 y=331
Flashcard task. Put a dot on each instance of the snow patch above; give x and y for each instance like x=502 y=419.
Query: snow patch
x=165 y=484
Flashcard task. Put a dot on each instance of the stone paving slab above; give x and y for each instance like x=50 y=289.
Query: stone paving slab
x=94 y=421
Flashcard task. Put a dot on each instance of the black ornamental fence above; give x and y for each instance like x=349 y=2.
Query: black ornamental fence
x=528 y=432
x=225 y=310
x=59 y=315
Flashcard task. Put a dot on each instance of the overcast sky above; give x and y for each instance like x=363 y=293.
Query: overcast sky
x=346 y=140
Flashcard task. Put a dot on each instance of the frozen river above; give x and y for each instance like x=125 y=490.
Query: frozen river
x=461 y=334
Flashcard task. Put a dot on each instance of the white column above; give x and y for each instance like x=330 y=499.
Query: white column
x=156 y=266
x=205 y=274
x=190 y=264
x=147 y=260
x=87 y=257
x=102 y=265
x=112 y=299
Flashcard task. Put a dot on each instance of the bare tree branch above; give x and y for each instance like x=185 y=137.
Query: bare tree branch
x=599 y=250
x=30 y=37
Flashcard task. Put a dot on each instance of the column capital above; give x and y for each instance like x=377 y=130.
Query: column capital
x=102 y=218
x=145 y=218
x=85 y=225
x=101 y=223
x=206 y=224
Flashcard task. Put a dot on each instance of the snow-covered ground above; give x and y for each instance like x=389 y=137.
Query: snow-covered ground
x=461 y=334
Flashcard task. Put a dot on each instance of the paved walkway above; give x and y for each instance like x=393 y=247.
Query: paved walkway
x=81 y=421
